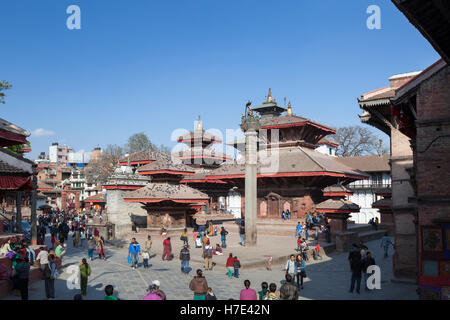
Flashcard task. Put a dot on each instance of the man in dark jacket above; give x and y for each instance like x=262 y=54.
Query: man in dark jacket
x=288 y=291
x=356 y=267
x=366 y=262
x=185 y=256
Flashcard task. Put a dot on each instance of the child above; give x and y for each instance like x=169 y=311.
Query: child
x=299 y=243
x=145 y=257
x=306 y=234
x=317 y=252
x=198 y=242
x=237 y=265
x=269 y=263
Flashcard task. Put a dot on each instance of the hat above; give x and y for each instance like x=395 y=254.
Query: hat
x=156 y=283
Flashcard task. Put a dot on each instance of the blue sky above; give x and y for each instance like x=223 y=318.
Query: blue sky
x=154 y=66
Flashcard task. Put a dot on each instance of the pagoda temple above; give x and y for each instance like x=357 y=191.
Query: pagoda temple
x=168 y=202
x=202 y=158
x=291 y=174
x=199 y=153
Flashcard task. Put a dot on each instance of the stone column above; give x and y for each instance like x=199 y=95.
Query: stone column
x=19 y=211
x=250 y=124
x=33 y=211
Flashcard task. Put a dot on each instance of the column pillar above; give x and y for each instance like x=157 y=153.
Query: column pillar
x=250 y=124
x=19 y=211
x=33 y=211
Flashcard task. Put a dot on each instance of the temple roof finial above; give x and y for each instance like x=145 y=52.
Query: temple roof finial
x=269 y=96
x=289 y=110
x=199 y=124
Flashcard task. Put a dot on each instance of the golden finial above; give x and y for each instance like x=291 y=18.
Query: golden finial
x=269 y=96
x=289 y=110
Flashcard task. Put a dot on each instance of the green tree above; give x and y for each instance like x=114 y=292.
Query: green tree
x=4 y=85
x=138 y=142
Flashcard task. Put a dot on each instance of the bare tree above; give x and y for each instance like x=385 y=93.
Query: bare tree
x=357 y=141
x=98 y=170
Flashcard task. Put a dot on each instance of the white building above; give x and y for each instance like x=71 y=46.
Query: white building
x=327 y=146
x=59 y=154
x=364 y=190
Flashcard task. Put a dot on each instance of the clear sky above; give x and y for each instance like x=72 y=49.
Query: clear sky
x=154 y=65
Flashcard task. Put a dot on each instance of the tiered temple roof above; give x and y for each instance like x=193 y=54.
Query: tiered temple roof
x=199 y=152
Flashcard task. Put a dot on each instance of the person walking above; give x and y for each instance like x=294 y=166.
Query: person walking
x=236 y=266
x=300 y=270
x=101 y=248
x=134 y=249
x=50 y=276
x=184 y=237
x=91 y=248
x=230 y=265
x=199 y=285
x=167 y=249
x=248 y=293
x=366 y=262
x=223 y=237
x=288 y=291
x=356 y=267
x=207 y=255
x=290 y=266
x=145 y=257
x=185 y=256
x=385 y=243
x=242 y=232
x=148 y=244
x=85 y=272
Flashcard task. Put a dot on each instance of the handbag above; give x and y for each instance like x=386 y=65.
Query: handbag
x=303 y=273
x=129 y=260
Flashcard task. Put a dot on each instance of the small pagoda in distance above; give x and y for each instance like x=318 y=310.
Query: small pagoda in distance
x=337 y=209
x=199 y=153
